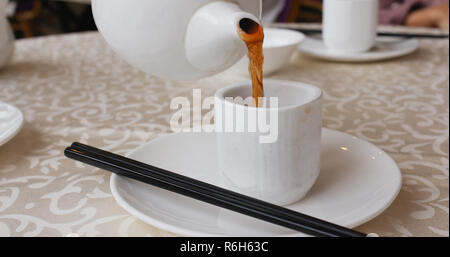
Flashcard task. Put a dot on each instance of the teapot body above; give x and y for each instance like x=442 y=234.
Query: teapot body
x=173 y=39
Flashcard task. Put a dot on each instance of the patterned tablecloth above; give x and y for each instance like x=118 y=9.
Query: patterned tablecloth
x=74 y=88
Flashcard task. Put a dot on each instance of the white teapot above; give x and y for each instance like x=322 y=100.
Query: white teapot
x=176 y=39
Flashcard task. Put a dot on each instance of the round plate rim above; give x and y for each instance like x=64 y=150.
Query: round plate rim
x=12 y=132
x=358 y=58
x=188 y=232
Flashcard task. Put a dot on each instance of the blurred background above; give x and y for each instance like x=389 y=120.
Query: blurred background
x=30 y=18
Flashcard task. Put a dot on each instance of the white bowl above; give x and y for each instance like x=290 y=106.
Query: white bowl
x=278 y=47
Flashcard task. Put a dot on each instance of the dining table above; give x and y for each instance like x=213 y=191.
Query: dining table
x=74 y=88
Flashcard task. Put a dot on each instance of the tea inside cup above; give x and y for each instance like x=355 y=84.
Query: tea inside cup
x=270 y=153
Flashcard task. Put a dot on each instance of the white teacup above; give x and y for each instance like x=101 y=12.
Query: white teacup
x=280 y=164
x=350 y=25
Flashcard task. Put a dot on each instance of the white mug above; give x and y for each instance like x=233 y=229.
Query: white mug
x=350 y=25
x=278 y=163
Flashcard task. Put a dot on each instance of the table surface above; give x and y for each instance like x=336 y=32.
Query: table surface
x=74 y=88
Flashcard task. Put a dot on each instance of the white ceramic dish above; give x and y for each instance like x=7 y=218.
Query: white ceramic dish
x=385 y=48
x=358 y=181
x=11 y=121
x=278 y=47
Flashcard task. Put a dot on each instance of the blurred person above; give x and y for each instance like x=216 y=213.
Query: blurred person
x=418 y=13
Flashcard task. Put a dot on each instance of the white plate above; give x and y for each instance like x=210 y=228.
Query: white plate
x=358 y=181
x=11 y=120
x=385 y=48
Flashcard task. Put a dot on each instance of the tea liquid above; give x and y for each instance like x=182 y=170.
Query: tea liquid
x=253 y=36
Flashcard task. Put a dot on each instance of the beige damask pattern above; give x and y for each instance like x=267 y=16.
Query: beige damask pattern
x=74 y=88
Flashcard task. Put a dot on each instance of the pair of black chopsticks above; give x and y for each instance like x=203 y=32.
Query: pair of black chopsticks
x=383 y=34
x=206 y=192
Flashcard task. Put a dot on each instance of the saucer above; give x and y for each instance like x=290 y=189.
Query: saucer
x=385 y=48
x=358 y=181
x=11 y=120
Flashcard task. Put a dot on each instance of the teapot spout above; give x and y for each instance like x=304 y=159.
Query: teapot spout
x=212 y=40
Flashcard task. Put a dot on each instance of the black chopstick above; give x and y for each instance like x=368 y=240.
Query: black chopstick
x=206 y=192
x=174 y=176
x=383 y=34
